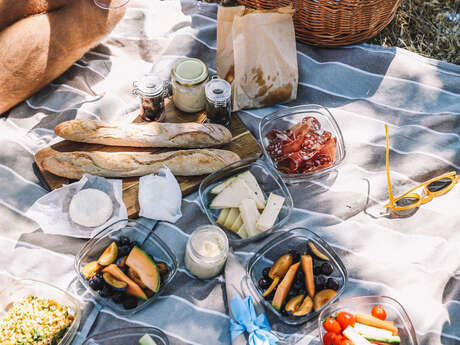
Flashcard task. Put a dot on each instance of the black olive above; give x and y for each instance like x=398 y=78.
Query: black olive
x=265 y=272
x=124 y=241
x=124 y=250
x=295 y=255
x=263 y=283
x=96 y=283
x=300 y=276
x=270 y=296
x=130 y=302
x=301 y=292
x=320 y=282
x=327 y=268
x=298 y=285
x=317 y=270
x=332 y=284
x=106 y=291
x=118 y=297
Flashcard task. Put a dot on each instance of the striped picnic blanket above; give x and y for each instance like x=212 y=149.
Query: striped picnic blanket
x=415 y=260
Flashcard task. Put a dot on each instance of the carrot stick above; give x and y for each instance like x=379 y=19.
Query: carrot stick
x=284 y=286
x=374 y=322
x=307 y=266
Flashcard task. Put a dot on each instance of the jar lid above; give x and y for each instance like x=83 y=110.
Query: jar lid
x=218 y=90
x=149 y=85
x=190 y=71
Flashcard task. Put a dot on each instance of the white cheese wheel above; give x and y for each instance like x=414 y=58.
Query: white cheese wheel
x=90 y=207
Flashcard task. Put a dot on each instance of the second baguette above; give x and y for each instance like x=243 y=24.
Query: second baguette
x=73 y=165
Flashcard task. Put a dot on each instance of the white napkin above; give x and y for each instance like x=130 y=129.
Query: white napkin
x=51 y=211
x=160 y=196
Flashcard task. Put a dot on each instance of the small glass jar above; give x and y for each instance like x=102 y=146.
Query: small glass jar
x=188 y=78
x=152 y=91
x=206 y=252
x=218 y=101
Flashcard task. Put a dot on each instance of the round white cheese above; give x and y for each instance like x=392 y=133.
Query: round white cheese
x=90 y=207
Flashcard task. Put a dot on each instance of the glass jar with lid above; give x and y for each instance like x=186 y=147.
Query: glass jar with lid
x=206 y=252
x=188 y=79
x=152 y=91
x=218 y=101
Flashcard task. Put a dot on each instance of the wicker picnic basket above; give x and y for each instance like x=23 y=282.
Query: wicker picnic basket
x=329 y=23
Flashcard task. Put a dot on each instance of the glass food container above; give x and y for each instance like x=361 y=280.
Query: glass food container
x=146 y=240
x=285 y=119
x=206 y=252
x=188 y=79
x=218 y=101
x=395 y=312
x=152 y=92
x=127 y=336
x=22 y=288
x=294 y=239
x=268 y=180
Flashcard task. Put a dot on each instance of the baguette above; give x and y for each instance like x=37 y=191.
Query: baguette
x=153 y=134
x=73 y=165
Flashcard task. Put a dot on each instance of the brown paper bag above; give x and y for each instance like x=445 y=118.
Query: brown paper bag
x=264 y=56
x=224 y=57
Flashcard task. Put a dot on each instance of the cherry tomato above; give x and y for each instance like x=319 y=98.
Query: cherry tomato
x=346 y=342
x=331 y=325
x=379 y=312
x=345 y=319
x=338 y=339
x=328 y=338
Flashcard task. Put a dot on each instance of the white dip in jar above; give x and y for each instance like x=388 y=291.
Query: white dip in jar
x=206 y=252
x=188 y=79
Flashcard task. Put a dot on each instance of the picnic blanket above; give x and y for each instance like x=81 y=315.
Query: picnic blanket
x=416 y=260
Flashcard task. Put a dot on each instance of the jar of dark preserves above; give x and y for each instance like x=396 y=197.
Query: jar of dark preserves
x=152 y=91
x=218 y=101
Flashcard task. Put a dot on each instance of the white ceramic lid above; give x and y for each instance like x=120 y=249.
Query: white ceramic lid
x=190 y=71
x=218 y=90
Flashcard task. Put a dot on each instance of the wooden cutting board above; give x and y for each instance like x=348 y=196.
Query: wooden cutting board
x=243 y=143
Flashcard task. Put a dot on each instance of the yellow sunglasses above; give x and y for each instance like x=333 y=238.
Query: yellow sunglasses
x=435 y=187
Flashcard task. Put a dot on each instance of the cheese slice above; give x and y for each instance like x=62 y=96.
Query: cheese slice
x=250 y=215
x=232 y=195
x=270 y=213
x=232 y=216
x=237 y=223
x=223 y=216
x=242 y=232
x=254 y=186
x=221 y=186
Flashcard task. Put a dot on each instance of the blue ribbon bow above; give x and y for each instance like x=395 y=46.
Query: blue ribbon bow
x=246 y=320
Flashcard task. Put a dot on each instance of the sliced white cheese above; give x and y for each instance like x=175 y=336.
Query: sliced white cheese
x=254 y=186
x=232 y=216
x=355 y=337
x=237 y=224
x=250 y=215
x=232 y=195
x=242 y=232
x=270 y=213
x=366 y=330
x=223 y=216
x=221 y=186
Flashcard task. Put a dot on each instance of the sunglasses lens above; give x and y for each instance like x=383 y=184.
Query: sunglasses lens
x=438 y=185
x=407 y=201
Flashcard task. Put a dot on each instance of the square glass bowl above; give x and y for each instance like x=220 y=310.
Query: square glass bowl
x=268 y=180
x=127 y=336
x=147 y=241
x=285 y=119
x=294 y=239
x=22 y=288
x=395 y=312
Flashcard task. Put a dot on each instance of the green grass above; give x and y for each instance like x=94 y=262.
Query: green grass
x=428 y=27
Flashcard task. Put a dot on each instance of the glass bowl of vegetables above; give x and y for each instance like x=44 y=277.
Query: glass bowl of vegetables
x=296 y=275
x=302 y=142
x=125 y=266
x=365 y=320
x=129 y=336
x=247 y=199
